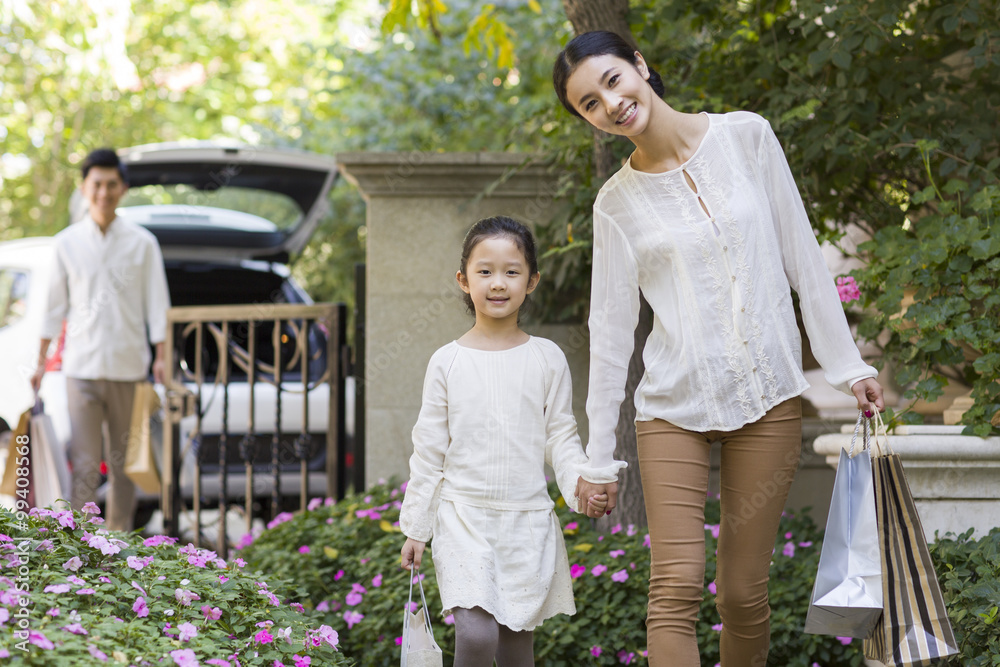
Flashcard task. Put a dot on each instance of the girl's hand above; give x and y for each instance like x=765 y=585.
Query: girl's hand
x=869 y=394
x=411 y=554
x=588 y=490
x=597 y=505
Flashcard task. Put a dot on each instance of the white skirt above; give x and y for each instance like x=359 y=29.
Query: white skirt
x=511 y=564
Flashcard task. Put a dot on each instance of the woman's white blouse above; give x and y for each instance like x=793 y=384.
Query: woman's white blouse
x=488 y=424
x=725 y=346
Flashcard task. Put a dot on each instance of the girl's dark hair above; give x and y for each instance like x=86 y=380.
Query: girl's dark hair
x=504 y=227
x=588 y=45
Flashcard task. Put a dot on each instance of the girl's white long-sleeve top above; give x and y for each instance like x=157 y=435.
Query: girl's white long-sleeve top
x=716 y=262
x=488 y=424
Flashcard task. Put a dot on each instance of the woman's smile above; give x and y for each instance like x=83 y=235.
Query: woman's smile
x=627 y=115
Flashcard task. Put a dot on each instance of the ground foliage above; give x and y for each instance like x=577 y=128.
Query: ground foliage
x=344 y=561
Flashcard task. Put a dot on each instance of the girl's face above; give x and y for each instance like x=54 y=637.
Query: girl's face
x=497 y=278
x=612 y=94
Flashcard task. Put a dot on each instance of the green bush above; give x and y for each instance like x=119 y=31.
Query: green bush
x=72 y=593
x=344 y=561
x=970 y=578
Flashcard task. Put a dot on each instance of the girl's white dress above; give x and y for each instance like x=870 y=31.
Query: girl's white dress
x=489 y=423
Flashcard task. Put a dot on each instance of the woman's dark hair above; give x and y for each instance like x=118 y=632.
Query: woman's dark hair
x=588 y=45
x=104 y=157
x=503 y=227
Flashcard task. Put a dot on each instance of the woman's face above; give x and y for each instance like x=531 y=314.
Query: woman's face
x=612 y=94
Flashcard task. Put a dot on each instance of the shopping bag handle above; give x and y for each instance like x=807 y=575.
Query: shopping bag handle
x=866 y=438
x=873 y=426
x=415 y=574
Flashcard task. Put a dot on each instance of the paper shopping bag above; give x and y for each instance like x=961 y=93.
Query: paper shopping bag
x=419 y=648
x=49 y=470
x=18 y=454
x=142 y=455
x=914 y=630
x=847 y=596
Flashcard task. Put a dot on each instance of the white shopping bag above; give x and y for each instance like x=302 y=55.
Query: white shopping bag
x=847 y=596
x=419 y=648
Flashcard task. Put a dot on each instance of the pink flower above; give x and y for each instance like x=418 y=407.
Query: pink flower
x=599 y=569
x=263 y=637
x=280 y=519
x=645 y=541
x=185 y=597
x=449 y=619
x=625 y=657
x=620 y=576
x=90 y=508
x=789 y=549
x=139 y=588
x=329 y=635
x=138 y=563
x=187 y=632
x=58 y=589
x=615 y=553
x=73 y=564
x=717 y=627
x=805 y=544
x=377 y=580
x=595 y=651
x=712 y=589
x=575 y=570
x=213 y=613
x=302 y=661
x=352 y=618
x=75 y=628
x=399 y=641
x=97 y=653
x=572 y=525
x=323 y=606
x=847 y=288
x=184 y=657
x=844 y=640
x=304 y=549
x=314 y=503
x=353 y=599
x=40 y=640
x=218 y=663
x=140 y=608
x=85 y=591
x=617 y=528
x=339 y=575
x=157 y=540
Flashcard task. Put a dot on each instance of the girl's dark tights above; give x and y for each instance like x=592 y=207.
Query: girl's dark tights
x=479 y=640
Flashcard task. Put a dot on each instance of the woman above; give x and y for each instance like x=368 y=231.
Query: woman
x=705 y=218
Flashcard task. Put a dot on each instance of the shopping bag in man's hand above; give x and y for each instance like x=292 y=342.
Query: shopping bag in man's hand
x=419 y=647
x=847 y=596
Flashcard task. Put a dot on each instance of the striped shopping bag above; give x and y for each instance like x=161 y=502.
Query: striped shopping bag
x=914 y=630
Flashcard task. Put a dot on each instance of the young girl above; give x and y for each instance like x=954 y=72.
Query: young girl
x=496 y=408
x=705 y=218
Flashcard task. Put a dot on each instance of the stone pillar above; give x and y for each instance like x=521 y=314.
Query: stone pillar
x=420 y=206
x=954 y=478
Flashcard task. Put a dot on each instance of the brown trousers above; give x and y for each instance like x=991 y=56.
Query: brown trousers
x=758 y=463
x=92 y=403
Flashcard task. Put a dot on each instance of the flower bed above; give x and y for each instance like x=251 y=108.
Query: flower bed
x=344 y=559
x=72 y=593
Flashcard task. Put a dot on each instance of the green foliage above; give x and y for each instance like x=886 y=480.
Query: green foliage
x=356 y=543
x=80 y=587
x=970 y=578
x=936 y=291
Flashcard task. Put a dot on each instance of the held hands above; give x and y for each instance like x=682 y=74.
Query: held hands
x=601 y=498
x=411 y=554
x=869 y=393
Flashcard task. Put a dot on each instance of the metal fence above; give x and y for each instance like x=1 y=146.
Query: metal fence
x=255 y=402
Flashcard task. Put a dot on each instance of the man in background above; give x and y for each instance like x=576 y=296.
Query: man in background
x=110 y=287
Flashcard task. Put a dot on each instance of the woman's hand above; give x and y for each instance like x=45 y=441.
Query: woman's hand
x=869 y=392
x=587 y=490
x=411 y=554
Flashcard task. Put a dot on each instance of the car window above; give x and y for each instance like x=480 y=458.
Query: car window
x=13 y=296
x=278 y=208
